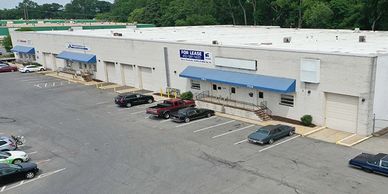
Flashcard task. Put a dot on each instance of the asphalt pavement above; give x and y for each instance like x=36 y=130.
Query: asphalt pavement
x=84 y=143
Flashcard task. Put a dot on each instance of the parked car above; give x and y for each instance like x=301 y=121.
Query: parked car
x=189 y=114
x=371 y=163
x=7 y=143
x=131 y=99
x=164 y=109
x=14 y=172
x=31 y=68
x=7 y=68
x=270 y=133
x=13 y=157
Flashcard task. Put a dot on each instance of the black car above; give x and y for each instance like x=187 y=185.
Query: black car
x=269 y=134
x=131 y=99
x=14 y=172
x=189 y=114
x=371 y=163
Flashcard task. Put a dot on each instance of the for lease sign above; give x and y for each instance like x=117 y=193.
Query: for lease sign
x=195 y=56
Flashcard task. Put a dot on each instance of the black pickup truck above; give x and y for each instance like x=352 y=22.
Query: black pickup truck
x=371 y=163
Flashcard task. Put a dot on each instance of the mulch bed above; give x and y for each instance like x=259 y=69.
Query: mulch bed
x=291 y=121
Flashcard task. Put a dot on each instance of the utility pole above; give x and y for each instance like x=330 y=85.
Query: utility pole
x=300 y=15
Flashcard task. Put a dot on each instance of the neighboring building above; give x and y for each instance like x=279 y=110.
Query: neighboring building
x=337 y=76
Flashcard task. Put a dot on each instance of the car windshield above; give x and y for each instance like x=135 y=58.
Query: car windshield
x=14 y=166
x=5 y=154
x=263 y=131
x=182 y=111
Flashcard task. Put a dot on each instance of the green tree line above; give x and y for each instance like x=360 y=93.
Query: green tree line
x=364 y=14
x=76 y=9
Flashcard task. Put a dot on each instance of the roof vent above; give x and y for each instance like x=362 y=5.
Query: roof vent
x=266 y=43
x=362 y=39
x=117 y=34
x=286 y=39
x=215 y=42
x=71 y=29
x=356 y=30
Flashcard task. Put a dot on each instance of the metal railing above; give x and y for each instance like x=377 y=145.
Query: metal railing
x=206 y=97
x=379 y=124
x=263 y=106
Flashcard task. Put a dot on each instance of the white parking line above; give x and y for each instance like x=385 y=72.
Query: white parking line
x=229 y=132
x=240 y=142
x=53 y=84
x=163 y=121
x=181 y=125
x=43 y=161
x=45 y=84
x=32 y=153
x=133 y=113
x=269 y=147
x=227 y=122
x=34 y=179
x=37 y=85
x=99 y=103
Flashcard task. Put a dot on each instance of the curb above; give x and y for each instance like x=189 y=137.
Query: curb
x=354 y=143
x=313 y=131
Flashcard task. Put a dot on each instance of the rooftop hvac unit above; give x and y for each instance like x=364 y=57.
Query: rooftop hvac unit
x=286 y=39
x=214 y=42
x=117 y=34
x=362 y=39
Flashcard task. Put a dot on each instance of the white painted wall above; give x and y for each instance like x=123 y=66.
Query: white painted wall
x=380 y=107
x=348 y=75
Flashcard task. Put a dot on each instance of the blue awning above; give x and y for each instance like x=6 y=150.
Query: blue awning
x=261 y=82
x=79 y=57
x=23 y=49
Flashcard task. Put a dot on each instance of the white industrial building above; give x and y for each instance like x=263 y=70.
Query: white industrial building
x=337 y=76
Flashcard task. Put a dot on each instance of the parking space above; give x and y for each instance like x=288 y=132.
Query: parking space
x=76 y=132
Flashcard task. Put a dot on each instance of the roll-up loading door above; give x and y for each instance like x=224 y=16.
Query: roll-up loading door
x=110 y=72
x=145 y=78
x=128 y=75
x=341 y=112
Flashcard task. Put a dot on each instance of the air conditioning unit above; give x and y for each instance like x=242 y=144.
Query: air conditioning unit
x=286 y=39
x=362 y=39
x=215 y=42
x=117 y=34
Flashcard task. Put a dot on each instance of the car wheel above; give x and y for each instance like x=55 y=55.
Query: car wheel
x=12 y=70
x=30 y=175
x=17 y=161
x=150 y=101
x=209 y=115
x=128 y=104
x=27 y=71
x=291 y=133
x=166 y=115
x=187 y=120
x=41 y=69
x=270 y=141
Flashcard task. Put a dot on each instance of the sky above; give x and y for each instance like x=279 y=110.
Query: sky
x=12 y=3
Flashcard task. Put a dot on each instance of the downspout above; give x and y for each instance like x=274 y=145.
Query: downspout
x=372 y=88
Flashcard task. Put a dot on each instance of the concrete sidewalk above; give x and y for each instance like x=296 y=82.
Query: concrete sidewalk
x=299 y=129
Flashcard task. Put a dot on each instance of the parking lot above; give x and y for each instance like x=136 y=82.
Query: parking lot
x=84 y=143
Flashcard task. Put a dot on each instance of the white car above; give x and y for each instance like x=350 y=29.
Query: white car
x=31 y=68
x=13 y=157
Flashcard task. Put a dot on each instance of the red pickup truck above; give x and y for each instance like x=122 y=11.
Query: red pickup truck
x=164 y=109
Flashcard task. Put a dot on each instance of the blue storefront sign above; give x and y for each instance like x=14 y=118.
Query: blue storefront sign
x=77 y=46
x=196 y=56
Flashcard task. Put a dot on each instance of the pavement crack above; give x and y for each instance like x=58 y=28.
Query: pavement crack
x=216 y=161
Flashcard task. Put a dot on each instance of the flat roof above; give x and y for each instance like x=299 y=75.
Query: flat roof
x=262 y=37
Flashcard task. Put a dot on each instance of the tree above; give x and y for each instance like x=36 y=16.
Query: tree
x=318 y=15
x=7 y=43
x=242 y=5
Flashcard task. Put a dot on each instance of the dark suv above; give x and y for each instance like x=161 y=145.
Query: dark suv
x=131 y=99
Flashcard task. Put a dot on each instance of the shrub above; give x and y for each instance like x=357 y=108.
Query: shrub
x=187 y=95
x=306 y=120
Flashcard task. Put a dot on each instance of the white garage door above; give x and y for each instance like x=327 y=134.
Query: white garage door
x=341 y=112
x=47 y=61
x=145 y=78
x=128 y=75
x=110 y=72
